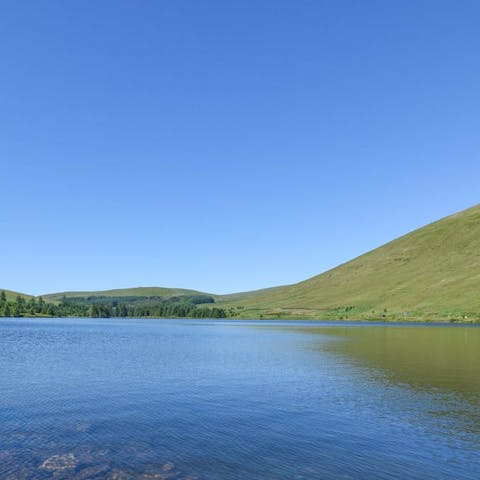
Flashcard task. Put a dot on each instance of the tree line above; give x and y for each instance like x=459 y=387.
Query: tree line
x=37 y=307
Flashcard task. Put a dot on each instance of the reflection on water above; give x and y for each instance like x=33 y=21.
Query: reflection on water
x=446 y=357
x=141 y=399
x=441 y=361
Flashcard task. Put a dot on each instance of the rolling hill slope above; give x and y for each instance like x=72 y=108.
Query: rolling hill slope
x=126 y=292
x=11 y=295
x=430 y=273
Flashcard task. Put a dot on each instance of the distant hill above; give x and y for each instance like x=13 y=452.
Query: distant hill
x=11 y=295
x=151 y=302
x=125 y=292
x=430 y=273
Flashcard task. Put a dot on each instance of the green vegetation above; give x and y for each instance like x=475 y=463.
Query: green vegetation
x=193 y=306
x=22 y=306
x=10 y=295
x=127 y=292
x=430 y=274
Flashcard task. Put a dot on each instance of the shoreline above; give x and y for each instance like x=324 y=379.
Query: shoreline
x=359 y=321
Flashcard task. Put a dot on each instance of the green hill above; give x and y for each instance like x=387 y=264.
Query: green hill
x=152 y=302
x=11 y=295
x=125 y=292
x=432 y=273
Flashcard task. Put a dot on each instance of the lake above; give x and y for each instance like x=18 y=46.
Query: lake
x=185 y=399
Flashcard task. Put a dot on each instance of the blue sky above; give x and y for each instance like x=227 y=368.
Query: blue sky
x=228 y=146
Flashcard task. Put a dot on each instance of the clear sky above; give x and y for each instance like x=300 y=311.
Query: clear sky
x=228 y=145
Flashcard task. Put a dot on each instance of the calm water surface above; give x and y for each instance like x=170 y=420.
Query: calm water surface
x=157 y=399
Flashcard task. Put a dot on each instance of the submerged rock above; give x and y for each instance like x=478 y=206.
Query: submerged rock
x=88 y=473
x=164 y=471
x=82 y=427
x=120 y=475
x=58 y=463
x=102 y=453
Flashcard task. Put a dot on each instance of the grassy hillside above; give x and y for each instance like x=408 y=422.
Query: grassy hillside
x=11 y=295
x=431 y=273
x=126 y=292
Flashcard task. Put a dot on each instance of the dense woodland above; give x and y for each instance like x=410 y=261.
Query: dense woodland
x=104 y=307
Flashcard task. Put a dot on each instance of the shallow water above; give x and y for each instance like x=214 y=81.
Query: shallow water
x=155 y=399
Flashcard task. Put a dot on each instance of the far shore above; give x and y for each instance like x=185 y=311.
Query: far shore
x=410 y=321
